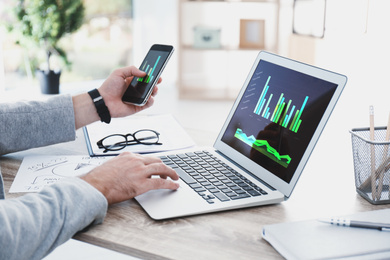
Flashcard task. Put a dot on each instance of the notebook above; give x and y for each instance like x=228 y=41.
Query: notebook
x=263 y=146
x=172 y=136
x=311 y=239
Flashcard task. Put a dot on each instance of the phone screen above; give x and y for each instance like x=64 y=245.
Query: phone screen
x=139 y=90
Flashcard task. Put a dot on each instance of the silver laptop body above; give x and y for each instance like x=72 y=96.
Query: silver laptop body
x=266 y=139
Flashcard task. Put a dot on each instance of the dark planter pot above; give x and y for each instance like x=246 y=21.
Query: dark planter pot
x=49 y=81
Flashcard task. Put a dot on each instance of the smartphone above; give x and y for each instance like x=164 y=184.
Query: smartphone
x=140 y=89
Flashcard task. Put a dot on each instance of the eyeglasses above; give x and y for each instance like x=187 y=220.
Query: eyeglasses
x=117 y=142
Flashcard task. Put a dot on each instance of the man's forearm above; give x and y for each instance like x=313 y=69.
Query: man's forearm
x=84 y=110
x=31 y=226
x=31 y=124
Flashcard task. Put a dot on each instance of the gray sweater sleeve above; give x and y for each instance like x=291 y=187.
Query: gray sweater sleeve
x=31 y=124
x=31 y=226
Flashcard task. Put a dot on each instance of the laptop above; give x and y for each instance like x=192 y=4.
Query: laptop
x=263 y=146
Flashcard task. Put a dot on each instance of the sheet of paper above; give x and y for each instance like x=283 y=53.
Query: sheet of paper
x=36 y=172
x=172 y=135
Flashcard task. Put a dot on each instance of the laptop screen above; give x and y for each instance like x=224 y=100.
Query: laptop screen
x=277 y=116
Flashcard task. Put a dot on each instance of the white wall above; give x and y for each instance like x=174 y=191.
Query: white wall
x=357 y=44
x=155 y=21
x=363 y=56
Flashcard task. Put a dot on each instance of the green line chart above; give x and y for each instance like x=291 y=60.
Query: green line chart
x=149 y=70
x=281 y=113
x=263 y=147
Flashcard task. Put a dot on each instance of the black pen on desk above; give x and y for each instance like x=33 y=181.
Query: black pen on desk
x=354 y=223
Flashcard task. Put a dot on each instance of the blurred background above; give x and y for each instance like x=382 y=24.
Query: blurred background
x=216 y=43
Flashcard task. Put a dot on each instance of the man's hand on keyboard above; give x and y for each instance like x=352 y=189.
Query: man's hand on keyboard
x=129 y=175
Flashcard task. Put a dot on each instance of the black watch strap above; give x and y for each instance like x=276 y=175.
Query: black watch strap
x=101 y=107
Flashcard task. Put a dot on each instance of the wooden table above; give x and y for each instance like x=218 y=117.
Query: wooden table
x=326 y=188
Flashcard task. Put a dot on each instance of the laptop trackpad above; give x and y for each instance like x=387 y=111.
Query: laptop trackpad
x=162 y=203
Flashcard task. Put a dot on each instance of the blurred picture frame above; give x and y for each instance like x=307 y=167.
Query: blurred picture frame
x=252 y=34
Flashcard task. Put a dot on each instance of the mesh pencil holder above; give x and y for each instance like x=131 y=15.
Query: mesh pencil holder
x=372 y=164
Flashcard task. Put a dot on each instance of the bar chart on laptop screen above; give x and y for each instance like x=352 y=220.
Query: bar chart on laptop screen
x=284 y=113
x=272 y=98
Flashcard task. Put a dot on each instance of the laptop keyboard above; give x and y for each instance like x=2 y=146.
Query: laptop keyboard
x=211 y=178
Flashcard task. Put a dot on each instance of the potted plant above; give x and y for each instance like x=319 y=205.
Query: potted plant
x=42 y=24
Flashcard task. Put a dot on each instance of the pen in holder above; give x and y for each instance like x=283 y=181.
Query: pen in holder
x=372 y=163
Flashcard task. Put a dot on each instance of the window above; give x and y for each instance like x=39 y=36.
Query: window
x=103 y=43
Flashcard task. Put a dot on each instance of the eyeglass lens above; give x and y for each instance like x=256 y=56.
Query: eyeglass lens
x=146 y=137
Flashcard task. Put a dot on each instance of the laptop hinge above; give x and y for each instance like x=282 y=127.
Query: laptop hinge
x=243 y=169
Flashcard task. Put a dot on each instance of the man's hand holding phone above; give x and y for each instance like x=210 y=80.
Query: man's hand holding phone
x=116 y=84
x=141 y=86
